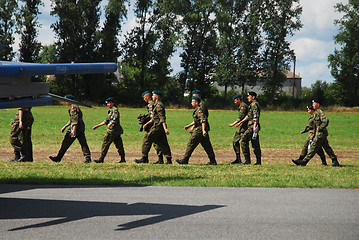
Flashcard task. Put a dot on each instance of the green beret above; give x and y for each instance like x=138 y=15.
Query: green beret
x=198 y=99
x=70 y=96
x=144 y=93
x=157 y=92
x=196 y=92
x=110 y=99
x=237 y=96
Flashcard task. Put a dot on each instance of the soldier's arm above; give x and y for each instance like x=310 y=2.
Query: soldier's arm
x=234 y=123
x=189 y=125
x=66 y=125
x=204 y=132
x=99 y=125
x=324 y=121
x=21 y=114
x=165 y=128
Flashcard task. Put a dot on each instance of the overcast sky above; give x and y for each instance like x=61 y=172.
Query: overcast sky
x=312 y=44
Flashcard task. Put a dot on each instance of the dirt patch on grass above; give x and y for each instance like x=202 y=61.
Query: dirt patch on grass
x=269 y=156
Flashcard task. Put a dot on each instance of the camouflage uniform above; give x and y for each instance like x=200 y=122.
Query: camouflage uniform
x=113 y=134
x=156 y=133
x=243 y=111
x=311 y=129
x=150 y=110
x=20 y=139
x=253 y=115
x=76 y=119
x=320 y=140
x=199 y=117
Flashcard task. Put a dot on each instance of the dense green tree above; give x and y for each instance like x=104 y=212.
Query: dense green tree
x=198 y=41
x=48 y=54
x=115 y=12
x=27 y=26
x=8 y=9
x=280 y=18
x=344 y=63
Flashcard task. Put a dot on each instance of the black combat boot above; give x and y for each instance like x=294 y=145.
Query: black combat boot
x=87 y=159
x=335 y=163
x=123 y=160
x=55 y=159
x=259 y=161
x=160 y=159
x=238 y=159
x=16 y=157
x=169 y=160
x=300 y=162
x=144 y=159
x=324 y=162
x=184 y=160
x=100 y=159
x=212 y=161
x=247 y=160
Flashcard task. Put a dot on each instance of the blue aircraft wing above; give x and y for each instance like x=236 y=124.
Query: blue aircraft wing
x=17 y=90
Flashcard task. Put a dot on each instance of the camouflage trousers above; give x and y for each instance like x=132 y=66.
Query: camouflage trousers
x=68 y=140
x=112 y=138
x=237 y=141
x=20 y=139
x=304 y=151
x=320 y=141
x=157 y=136
x=246 y=138
x=198 y=138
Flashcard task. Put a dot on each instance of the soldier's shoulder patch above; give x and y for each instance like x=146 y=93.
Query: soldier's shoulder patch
x=116 y=111
x=241 y=107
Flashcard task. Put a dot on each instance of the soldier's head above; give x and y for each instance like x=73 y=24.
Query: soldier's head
x=251 y=96
x=315 y=104
x=195 y=101
x=237 y=99
x=110 y=102
x=310 y=109
x=146 y=95
x=70 y=97
x=156 y=95
x=196 y=93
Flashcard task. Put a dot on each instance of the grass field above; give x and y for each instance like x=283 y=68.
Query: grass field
x=280 y=142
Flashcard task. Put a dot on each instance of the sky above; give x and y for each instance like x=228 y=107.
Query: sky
x=312 y=44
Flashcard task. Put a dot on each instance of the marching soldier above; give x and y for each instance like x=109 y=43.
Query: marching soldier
x=114 y=131
x=157 y=132
x=243 y=110
x=76 y=130
x=320 y=140
x=311 y=129
x=197 y=93
x=144 y=118
x=199 y=134
x=20 y=135
x=251 y=134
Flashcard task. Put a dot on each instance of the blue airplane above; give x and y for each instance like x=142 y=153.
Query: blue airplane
x=17 y=90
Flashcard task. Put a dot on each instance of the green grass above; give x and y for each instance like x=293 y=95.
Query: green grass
x=280 y=130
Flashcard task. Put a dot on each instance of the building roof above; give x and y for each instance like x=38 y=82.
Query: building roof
x=289 y=74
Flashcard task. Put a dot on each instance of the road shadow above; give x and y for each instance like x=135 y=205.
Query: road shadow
x=68 y=211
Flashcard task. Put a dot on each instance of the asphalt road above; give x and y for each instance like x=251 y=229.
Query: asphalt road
x=100 y=212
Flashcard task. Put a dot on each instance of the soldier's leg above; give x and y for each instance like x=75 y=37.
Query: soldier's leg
x=146 y=146
x=304 y=151
x=66 y=143
x=237 y=147
x=206 y=144
x=120 y=149
x=257 y=150
x=330 y=152
x=314 y=148
x=162 y=142
x=15 y=137
x=84 y=146
x=159 y=153
x=246 y=138
x=193 y=142
x=322 y=156
x=26 y=148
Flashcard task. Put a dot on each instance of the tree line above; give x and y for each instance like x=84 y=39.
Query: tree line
x=233 y=43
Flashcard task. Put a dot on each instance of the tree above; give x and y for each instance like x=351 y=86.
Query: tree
x=8 y=10
x=48 y=54
x=198 y=40
x=115 y=12
x=27 y=21
x=344 y=63
x=280 y=18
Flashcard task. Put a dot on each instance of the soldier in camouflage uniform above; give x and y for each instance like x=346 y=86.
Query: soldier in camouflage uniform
x=20 y=135
x=311 y=129
x=75 y=131
x=158 y=131
x=243 y=111
x=251 y=134
x=144 y=118
x=197 y=93
x=199 y=134
x=320 y=140
x=114 y=131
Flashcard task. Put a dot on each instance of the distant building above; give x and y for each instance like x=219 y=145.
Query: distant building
x=290 y=87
